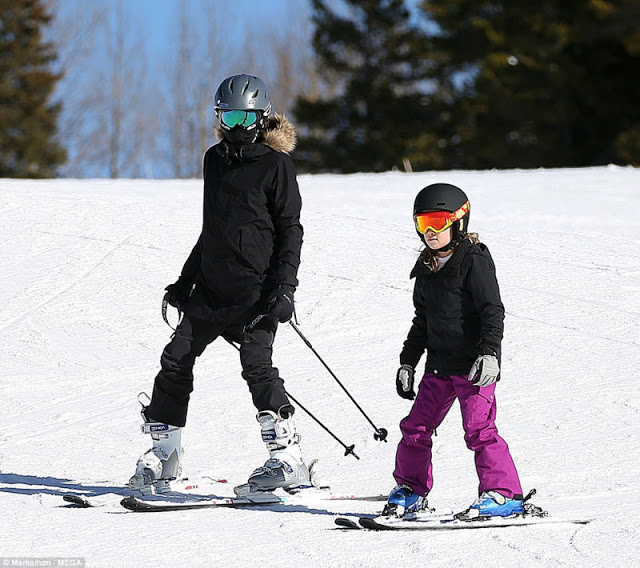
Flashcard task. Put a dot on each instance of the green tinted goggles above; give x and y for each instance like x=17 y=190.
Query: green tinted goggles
x=244 y=118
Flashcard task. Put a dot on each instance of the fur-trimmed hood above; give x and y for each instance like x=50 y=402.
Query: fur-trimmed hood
x=279 y=134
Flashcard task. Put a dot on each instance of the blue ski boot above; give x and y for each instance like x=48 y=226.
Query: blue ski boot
x=492 y=504
x=402 y=501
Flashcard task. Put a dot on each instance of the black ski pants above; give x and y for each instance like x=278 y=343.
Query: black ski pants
x=174 y=383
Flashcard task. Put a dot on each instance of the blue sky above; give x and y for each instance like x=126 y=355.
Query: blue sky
x=155 y=22
x=247 y=34
x=158 y=16
x=151 y=31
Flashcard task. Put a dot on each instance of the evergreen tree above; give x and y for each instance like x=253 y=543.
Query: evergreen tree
x=552 y=83
x=28 y=127
x=372 y=118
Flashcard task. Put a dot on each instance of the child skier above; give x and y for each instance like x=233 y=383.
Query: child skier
x=459 y=322
x=243 y=265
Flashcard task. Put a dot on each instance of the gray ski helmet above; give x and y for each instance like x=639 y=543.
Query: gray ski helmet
x=444 y=197
x=243 y=92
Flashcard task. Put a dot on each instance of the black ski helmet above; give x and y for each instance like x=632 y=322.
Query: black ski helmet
x=444 y=197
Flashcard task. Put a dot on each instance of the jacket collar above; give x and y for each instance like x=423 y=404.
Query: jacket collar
x=452 y=265
x=279 y=134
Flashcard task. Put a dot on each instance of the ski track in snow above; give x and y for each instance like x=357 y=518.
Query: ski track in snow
x=85 y=263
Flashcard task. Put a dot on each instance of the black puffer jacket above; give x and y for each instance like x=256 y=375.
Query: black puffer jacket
x=251 y=235
x=458 y=312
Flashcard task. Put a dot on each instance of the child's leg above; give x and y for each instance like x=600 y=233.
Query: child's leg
x=413 y=457
x=494 y=465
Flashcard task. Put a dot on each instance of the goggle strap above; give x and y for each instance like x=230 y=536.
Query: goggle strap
x=460 y=213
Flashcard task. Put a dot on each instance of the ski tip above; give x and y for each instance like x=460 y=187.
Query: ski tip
x=367 y=523
x=346 y=523
x=582 y=521
x=83 y=501
x=132 y=504
x=77 y=500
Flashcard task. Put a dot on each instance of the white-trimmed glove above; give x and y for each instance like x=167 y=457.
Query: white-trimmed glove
x=484 y=371
x=404 y=382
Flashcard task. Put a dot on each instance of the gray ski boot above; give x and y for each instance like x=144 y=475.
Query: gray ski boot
x=285 y=467
x=160 y=465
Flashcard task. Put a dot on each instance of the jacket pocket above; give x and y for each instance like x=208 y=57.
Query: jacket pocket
x=255 y=248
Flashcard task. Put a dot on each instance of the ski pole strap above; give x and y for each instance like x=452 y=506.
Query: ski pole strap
x=165 y=303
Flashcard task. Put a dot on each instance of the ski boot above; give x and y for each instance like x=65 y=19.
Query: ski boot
x=493 y=504
x=160 y=465
x=404 y=502
x=285 y=467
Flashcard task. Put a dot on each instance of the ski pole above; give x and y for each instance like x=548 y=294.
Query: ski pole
x=348 y=449
x=381 y=433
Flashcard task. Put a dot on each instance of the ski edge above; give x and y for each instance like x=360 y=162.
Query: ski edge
x=181 y=486
x=354 y=522
x=455 y=524
x=140 y=504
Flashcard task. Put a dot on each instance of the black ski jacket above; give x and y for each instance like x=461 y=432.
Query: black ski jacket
x=458 y=312
x=251 y=233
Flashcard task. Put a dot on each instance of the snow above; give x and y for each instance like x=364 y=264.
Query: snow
x=84 y=264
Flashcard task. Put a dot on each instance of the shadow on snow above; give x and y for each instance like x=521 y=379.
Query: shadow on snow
x=53 y=486
x=36 y=485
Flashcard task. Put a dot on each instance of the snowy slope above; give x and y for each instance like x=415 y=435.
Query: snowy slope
x=84 y=264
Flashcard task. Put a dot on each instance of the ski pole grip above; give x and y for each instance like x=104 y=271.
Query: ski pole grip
x=250 y=327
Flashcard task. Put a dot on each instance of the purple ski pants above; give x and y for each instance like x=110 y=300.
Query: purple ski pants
x=494 y=465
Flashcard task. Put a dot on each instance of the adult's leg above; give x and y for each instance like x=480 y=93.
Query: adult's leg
x=264 y=381
x=285 y=466
x=174 y=383
x=494 y=464
x=413 y=457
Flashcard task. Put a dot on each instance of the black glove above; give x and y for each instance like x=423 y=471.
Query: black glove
x=404 y=382
x=280 y=305
x=178 y=293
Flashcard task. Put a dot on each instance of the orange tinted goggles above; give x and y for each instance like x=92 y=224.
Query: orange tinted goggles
x=438 y=221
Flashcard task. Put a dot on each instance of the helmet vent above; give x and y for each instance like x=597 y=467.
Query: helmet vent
x=243 y=92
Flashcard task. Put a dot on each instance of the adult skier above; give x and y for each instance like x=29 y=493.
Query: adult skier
x=243 y=265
